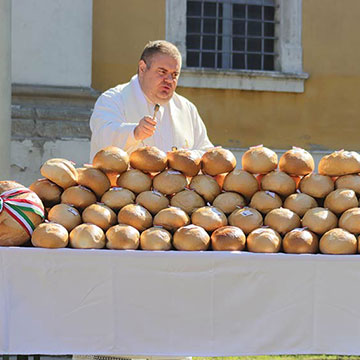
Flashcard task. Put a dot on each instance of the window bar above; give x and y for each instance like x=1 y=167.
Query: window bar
x=201 y=32
x=226 y=35
x=246 y=34
x=262 y=35
x=216 y=34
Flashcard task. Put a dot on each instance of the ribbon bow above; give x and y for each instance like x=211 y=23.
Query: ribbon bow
x=17 y=207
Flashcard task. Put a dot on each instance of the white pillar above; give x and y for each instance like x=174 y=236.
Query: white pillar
x=5 y=88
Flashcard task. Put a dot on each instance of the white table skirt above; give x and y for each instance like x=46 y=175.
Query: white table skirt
x=177 y=303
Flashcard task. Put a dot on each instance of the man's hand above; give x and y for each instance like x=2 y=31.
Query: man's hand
x=145 y=129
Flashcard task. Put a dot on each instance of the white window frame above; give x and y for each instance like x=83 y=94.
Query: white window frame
x=288 y=78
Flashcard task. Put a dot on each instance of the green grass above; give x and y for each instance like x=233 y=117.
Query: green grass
x=283 y=357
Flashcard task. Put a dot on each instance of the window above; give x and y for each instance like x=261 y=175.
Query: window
x=238 y=44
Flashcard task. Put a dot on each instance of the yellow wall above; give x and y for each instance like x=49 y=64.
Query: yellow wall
x=325 y=116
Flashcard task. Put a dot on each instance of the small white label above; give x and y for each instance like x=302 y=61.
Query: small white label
x=246 y=213
x=208 y=204
x=256 y=146
x=216 y=211
x=84 y=188
x=73 y=211
x=174 y=172
x=157 y=192
x=300 y=229
x=116 y=188
x=272 y=194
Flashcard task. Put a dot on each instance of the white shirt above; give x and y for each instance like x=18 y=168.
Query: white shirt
x=118 y=111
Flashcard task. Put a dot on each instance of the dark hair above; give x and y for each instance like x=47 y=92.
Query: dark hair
x=162 y=47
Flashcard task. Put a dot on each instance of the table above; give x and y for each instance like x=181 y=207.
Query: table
x=69 y=301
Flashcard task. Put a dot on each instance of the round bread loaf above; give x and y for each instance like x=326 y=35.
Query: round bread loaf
x=155 y=238
x=300 y=241
x=351 y=182
x=50 y=235
x=259 y=160
x=184 y=160
x=209 y=218
x=153 y=200
x=229 y=201
x=188 y=200
x=171 y=218
x=117 y=197
x=206 y=186
x=264 y=240
x=136 y=216
x=148 y=159
x=78 y=196
x=169 y=182
x=111 y=159
x=217 y=161
x=282 y=220
x=241 y=182
x=48 y=192
x=338 y=241
x=228 y=238
x=341 y=200
x=297 y=161
x=17 y=223
x=100 y=215
x=94 y=179
x=317 y=186
x=66 y=215
x=319 y=220
x=122 y=237
x=340 y=163
x=135 y=181
x=279 y=182
x=60 y=171
x=191 y=238
x=350 y=220
x=247 y=219
x=265 y=201
x=87 y=236
x=300 y=203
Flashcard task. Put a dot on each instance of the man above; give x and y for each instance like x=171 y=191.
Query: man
x=124 y=115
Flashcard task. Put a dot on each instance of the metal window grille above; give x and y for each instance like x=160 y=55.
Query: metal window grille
x=231 y=34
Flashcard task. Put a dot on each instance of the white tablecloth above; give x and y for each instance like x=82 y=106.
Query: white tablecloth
x=177 y=303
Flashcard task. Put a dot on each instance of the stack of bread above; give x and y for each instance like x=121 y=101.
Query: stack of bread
x=191 y=200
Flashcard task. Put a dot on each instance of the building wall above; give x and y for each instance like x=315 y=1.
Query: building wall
x=324 y=117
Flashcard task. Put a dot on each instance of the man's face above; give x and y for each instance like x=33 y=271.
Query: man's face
x=158 y=78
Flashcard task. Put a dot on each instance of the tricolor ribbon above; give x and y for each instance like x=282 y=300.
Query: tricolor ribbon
x=17 y=208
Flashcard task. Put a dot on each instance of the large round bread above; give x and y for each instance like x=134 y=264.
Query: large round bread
x=111 y=159
x=66 y=215
x=171 y=218
x=319 y=220
x=191 y=238
x=50 y=235
x=241 y=182
x=155 y=238
x=282 y=220
x=300 y=203
x=94 y=179
x=87 y=236
x=229 y=201
x=317 y=186
x=206 y=186
x=188 y=200
x=297 y=161
x=341 y=200
x=169 y=182
x=259 y=160
x=117 y=197
x=300 y=241
x=148 y=159
x=48 y=192
x=247 y=219
x=60 y=171
x=122 y=237
x=349 y=182
x=100 y=215
x=78 y=196
x=153 y=200
x=217 y=161
x=11 y=232
x=263 y=240
x=184 y=160
x=228 y=238
x=136 y=216
x=338 y=241
x=135 y=181
x=209 y=218
x=265 y=201
x=279 y=182
x=340 y=163
x=350 y=220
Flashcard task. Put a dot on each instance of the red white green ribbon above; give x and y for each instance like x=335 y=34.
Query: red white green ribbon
x=17 y=208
